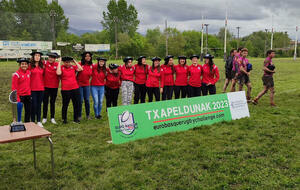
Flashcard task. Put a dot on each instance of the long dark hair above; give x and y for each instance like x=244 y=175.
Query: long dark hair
x=83 y=62
x=103 y=68
x=141 y=64
x=32 y=62
x=211 y=65
x=172 y=66
x=152 y=68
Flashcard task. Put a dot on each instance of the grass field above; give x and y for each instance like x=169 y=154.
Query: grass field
x=260 y=152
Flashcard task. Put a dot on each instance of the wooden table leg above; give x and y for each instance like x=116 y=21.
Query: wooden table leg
x=34 y=154
x=52 y=156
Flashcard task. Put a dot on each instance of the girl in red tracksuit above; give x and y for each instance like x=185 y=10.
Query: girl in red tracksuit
x=155 y=76
x=127 y=76
x=37 y=86
x=112 y=86
x=21 y=83
x=140 y=74
x=210 y=76
x=181 y=81
x=169 y=71
x=83 y=79
x=195 y=73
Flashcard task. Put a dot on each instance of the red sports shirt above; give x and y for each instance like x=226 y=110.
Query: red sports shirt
x=168 y=75
x=112 y=80
x=37 y=79
x=68 y=78
x=210 y=76
x=195 y=72
x=51 y=79
x=98 y=77
x=155 y=77
x=181 y=72
x=127 y=73
x=83 y=77
x=21 y=83
x=140 y=74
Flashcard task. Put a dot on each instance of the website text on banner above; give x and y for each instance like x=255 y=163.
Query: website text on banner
x=128 y=123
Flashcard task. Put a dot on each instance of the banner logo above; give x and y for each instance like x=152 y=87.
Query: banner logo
x=127 y=126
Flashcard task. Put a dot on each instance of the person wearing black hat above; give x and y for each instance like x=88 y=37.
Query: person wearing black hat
x=228 y=69
x=155 y=80
x=21 y=84
x=37 y=86
x=169 y=71
x=51 y=82
x=98 y=85
x=140 y=75
x=112 y=85
x=268 y=81
x=210 y=75
x=83 y=79
x=127 y=77
x=69 y=86
x=195 y=73
x=181 y=81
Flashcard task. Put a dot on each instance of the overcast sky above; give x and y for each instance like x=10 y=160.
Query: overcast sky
x=250 y=15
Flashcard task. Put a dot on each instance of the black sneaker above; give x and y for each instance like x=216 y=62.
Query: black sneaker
x=76 y=121
x=99 y=117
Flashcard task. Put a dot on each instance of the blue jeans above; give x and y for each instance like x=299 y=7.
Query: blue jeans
x=84 y=95
x=97 y=94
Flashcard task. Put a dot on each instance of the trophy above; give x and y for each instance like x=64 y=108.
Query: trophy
x=15 y=126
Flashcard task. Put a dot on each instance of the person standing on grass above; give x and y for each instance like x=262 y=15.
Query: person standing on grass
x=69 y=86
x=235 y=68
x=37 y=86
x=169 y=71
x=195 y=73
x=181 y=81
x=83 y=79
x=243 y=77
x=268 y=82
x=210 y=75
x=127 y=77
x=140 y=73
x=112 y=86
x=51 y=81
x=21 y=83
x=229 y=73
x=155 y=80
x=98 y=85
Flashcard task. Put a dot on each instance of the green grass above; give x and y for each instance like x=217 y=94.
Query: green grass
x=260 y=152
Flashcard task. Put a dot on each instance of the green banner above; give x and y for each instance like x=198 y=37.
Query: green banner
x=132 y=122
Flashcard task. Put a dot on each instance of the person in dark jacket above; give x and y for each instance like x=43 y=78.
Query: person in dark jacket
x=228 y=69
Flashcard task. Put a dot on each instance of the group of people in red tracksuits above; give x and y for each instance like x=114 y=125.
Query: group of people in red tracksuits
x=37 y=82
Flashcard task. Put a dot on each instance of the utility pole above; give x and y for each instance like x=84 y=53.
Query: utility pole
x=206 y=49
x=272 y=34
x=116 y=35
x=225 y=37
x=296 y=44
x=202 y=35
x=238 y=36
x=266 y=38
x=167 y=36
x=53 y=15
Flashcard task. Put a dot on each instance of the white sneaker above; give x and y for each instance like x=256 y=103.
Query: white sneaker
x=44 y=120
x=40 y=124
x=53 y=121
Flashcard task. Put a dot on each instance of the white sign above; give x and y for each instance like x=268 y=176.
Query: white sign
x=12 y=54
x=78 y=47
x=63 y=43
x=97 y=47
x=32 y=45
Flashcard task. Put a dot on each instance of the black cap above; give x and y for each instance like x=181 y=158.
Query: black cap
x=208 y=56
x=156 y=58
x=194 y=56
x=113 y=66
x=141 y=57
x=36 y=52
x=54 y=54
x=181 y=57
x=168 y=57
x=127 y=59
x=67 y=58
x=101 y=59
x=86 y=52
x=20 y=60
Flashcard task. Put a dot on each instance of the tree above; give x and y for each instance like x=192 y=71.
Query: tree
x=121 y=15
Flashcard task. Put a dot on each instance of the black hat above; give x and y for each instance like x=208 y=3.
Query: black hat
x=127 y=59
x=141 y=57
x=194 y=56
x=182 y=57
x=20 y=60
x=156 y=58
x=113 y=66
x=54 y=54
x=168 y=57
x=36 y=52
x=67 y=58
x=101 y=59
x=86 y=52
x=208 y=56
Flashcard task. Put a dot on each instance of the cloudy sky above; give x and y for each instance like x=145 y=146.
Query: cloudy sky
x=251 y=15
